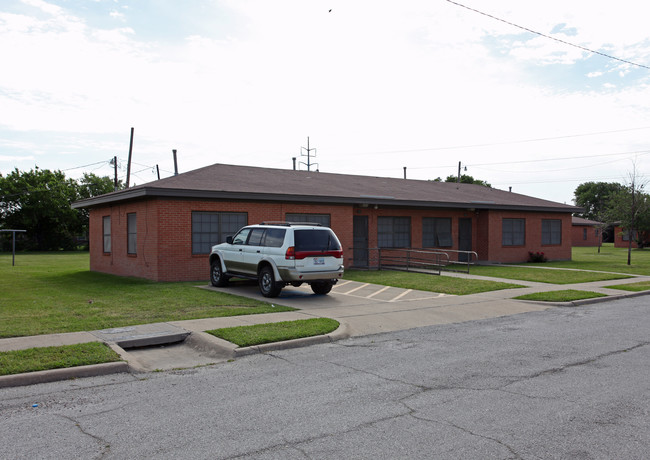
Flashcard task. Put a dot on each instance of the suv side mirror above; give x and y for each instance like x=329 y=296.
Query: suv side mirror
x=229 y=239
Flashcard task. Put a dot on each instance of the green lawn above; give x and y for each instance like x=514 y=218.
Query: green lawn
x=425 y=282
x=610 y=259
x=568 y=295
x=246 y=336
x=539 y=273
x=633 y=287
x=39 y=359
x=55 y=292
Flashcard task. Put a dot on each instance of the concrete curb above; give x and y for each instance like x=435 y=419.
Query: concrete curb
x=578 y=303
x=53 y=375
x=342 y=332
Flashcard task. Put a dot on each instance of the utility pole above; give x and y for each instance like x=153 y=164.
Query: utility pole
x=115 y=169
x=308 y=155
x=158 y=171
x=128 y=165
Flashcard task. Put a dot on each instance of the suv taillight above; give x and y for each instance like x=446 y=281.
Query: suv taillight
x=290 y=254
x=304 y=254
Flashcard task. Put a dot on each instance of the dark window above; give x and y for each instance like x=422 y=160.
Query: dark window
x=316 y=240
x=322 y=219
x=210 y=228
x=274 y=237
x=513 y=232
x=584 y=233
x=255 y=238
x=394 y=232
x=436 y=232
x=106 y=229
x=131 y=233
x=626 y=235
x=551 y=231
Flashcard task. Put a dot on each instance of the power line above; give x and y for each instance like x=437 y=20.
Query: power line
x=549 y=37
x=491 y=144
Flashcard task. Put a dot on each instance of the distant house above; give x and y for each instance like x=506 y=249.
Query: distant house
x=622 y=237
x=164 y=230
x=585 y=232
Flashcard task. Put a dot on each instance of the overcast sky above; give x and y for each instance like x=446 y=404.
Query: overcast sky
x=376 y=85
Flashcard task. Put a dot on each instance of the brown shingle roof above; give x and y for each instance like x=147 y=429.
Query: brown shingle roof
x=221 y=181
x=582 y=221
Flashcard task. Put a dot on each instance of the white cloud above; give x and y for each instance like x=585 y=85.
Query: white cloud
x=367 y=78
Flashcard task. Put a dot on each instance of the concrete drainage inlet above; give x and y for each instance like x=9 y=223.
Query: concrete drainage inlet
x=162 y=347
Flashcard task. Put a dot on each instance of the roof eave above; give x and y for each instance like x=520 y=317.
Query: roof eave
x=142 y=192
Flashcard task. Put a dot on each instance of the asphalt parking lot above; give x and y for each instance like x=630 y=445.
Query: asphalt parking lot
x=370 y=308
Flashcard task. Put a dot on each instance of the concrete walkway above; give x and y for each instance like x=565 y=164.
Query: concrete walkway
x=361 y=308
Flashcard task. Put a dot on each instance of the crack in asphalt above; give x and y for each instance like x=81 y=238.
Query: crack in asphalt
x=557 y=370
x=105 y=447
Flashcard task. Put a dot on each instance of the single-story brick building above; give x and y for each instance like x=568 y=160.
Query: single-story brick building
x=586 y=232
x=622 y=238
x=163 y=230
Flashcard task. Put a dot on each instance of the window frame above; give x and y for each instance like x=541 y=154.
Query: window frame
x=395 y=234
x=551 y=236
x=299 y=217
x=106 y=236
x=131 y=233
x=509 y=236
x=205 y=236
x=431 y=234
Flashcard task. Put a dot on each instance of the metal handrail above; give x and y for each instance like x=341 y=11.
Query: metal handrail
x=419 y=259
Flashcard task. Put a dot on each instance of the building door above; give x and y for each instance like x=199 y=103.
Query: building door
x=360 y=241
x=464 y=238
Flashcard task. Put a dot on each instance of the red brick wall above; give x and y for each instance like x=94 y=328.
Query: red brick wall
x=496 y=252
x=164 y=233
x=144 y=263
x=619 y=242
x=416 y=215
x=164 y=241
x=593 y=235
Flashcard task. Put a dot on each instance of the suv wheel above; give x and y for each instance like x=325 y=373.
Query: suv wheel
x=321 y=287
x=268 y=286
x=217 y=278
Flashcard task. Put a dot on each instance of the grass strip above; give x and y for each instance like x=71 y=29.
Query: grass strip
x=45 y=358
x=568 y=295
x=633 y=287
x=48 y=293
x=425 y=282
x=540 y=274
x=246 y=336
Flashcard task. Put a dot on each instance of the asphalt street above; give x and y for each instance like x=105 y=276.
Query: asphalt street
x=559 y=383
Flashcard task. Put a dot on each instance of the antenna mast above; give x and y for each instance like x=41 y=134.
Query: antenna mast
x=308 y=155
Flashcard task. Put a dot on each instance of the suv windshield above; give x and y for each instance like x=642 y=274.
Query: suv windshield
x=316 y=240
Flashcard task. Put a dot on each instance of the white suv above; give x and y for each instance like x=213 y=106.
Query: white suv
x=277 y=254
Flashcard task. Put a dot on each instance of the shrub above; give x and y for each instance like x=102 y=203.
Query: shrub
x=536 y=257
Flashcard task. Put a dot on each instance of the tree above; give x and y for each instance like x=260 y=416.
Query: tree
x=88 y=186
x=630 y=206
x=39 y=201
x=464 y=179
x=594 y=197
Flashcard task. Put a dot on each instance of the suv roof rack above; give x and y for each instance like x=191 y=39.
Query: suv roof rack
x=289 y=224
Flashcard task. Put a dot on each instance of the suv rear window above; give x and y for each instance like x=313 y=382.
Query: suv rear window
x=316 y=240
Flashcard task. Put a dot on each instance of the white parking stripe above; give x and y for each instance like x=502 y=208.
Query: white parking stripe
x=357 y=288
x=401 y=295
x=377 y=292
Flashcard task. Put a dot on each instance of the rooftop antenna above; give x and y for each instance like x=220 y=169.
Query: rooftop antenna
x=308 y=155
